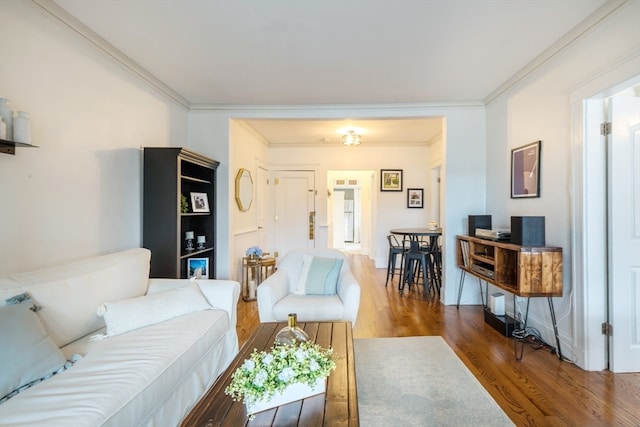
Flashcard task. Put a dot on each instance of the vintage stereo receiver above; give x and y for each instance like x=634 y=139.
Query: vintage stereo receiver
x=481 y=270
x=499 y=235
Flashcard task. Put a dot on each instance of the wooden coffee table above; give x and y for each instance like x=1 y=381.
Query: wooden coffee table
x=338 y=406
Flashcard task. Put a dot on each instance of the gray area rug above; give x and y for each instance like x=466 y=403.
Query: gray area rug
x=419 y=381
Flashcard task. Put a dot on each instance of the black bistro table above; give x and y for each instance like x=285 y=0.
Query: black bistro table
x=413 y=234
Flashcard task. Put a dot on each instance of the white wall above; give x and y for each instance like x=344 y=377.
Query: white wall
x=209 y=135
x=248 y=150
x=432 y=199
x=463 y=191
x=79 y=194
x=539 y=108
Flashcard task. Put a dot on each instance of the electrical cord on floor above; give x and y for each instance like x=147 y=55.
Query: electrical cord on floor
x=532 y=337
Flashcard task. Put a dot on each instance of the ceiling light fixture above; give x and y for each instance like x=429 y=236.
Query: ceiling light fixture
x=351 y=138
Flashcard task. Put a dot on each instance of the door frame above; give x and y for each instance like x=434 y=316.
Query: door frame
x=589 y=216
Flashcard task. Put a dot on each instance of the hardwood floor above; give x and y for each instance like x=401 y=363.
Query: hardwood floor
x=539 y=391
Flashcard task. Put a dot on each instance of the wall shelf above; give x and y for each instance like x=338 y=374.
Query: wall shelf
x=9 y=147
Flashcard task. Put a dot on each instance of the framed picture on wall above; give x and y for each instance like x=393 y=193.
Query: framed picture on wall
x=199 y=202
x=525 y=171
x=391 y=180
x=415 y=197
x=198 y=268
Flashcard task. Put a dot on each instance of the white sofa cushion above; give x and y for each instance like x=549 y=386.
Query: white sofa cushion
x=133 y=313
x=309 y=307
x=69 y=294
x=121 y=381
x=27 y=354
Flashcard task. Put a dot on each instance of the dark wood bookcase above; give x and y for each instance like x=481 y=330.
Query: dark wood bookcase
x=169 y=174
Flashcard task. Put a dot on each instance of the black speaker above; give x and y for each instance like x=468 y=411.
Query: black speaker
x=479 y=221
x=527 y=230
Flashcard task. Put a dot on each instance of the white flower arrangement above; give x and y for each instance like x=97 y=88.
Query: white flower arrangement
x=266 y=373
x=254 y=251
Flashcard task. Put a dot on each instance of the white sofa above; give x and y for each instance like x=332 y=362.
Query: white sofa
x=151 y=376
x=280 y=293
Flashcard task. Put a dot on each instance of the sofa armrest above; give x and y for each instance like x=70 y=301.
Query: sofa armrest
x=349 y=292
x=222 y=294
x=270 y=291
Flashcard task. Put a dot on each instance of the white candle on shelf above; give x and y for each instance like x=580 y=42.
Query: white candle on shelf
x=252 y=288
x=21 y=128
x=188 y=235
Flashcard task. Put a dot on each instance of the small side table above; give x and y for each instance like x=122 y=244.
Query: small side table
x=268 y=267
x=254 y=271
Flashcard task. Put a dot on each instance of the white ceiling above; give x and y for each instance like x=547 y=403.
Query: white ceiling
x=329 y=52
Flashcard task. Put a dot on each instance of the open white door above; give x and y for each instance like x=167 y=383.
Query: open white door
x=624 y=234
x=294 y=210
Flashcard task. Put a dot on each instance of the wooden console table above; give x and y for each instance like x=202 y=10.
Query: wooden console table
x=338 y=406
x=524 y=271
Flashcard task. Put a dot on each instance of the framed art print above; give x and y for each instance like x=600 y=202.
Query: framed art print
x=415 y=197
x=199 y=202
x=198 y=268
x=391 y=180
x=525 y=171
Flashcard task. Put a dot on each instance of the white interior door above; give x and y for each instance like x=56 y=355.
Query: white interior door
x=262 y=204
x=294 y=216
x=338 y=219
x=624 y=234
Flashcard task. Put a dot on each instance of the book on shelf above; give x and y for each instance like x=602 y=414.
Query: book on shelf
x=465 y=252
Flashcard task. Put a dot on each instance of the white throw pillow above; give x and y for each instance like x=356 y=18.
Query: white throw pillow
x=27 y=353
x=126 y=315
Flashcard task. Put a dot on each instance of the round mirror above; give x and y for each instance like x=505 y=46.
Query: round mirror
x=244 y=190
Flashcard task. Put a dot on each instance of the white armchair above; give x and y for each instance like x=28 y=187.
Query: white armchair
x=277 y=295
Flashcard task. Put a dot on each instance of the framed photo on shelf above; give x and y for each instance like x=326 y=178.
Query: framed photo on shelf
x=415 y=197
x=198 y=268
x=199 y=202
x=390 y=179
x=525 y=171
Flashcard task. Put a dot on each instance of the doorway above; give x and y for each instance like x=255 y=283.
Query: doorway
x=609 y=168
x=346 y=214
x=350 y=210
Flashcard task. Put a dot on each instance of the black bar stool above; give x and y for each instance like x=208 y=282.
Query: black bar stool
x=395 y=249
x=418 y=262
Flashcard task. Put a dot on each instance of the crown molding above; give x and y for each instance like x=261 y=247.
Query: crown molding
x=331 y=107
x=555 y=49
x=336 y=144
x=58 y=14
